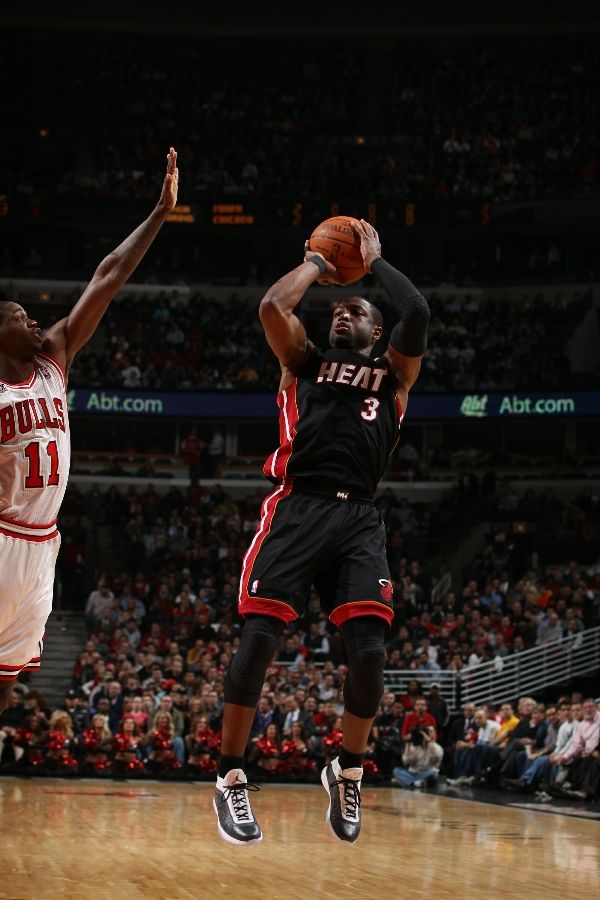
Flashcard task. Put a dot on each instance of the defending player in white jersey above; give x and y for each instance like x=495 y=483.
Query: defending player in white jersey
x=34 y=441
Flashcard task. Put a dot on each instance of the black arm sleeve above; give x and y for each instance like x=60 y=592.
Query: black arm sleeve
x=409 y=335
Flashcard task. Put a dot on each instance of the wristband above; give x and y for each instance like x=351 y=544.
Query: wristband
x=319 y=262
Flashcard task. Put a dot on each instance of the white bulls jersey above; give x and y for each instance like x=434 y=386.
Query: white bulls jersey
x=34 y=451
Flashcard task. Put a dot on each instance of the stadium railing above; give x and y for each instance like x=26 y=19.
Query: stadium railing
x=506 y=678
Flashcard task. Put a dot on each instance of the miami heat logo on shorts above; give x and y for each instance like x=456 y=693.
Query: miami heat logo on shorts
x=386 y=590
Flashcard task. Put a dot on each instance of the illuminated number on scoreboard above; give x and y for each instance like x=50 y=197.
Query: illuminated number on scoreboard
x=34 y=478
x=335 y=209
x=409 y=215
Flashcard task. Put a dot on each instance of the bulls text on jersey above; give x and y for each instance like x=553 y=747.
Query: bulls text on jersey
x=28 y=415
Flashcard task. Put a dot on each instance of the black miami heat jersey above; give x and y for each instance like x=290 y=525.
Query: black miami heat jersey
x=338 y=424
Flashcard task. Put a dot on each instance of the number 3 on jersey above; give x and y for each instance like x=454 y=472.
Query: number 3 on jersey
x=372 y=405
x=32 y=451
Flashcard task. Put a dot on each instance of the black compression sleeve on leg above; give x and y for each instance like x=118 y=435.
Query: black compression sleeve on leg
x=246 y=676
x=364 y=639
x=409 y=335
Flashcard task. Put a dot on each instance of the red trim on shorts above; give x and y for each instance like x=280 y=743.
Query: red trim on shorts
x=268 y=511
x=268 y=607
x=10 y=673
x=56 y=365
x=357 y=608
x=26 y=524
x=32 y=538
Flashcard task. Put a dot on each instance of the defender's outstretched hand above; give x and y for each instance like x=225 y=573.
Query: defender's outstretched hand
x=168 y=196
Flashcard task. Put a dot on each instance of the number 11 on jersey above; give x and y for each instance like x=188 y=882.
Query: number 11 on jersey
x=34 y=478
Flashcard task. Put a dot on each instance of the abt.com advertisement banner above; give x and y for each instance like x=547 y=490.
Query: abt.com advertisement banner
x=261 y=406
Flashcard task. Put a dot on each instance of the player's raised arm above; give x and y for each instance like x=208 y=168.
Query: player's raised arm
x=284 y=331
x=66 y=337
x=408 y=340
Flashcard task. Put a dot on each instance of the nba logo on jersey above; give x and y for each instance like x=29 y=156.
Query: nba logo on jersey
x=45 y=371
x=254 y=587
x=2 y=388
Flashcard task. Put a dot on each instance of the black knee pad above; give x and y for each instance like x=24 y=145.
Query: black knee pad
x=364 y=639
x=246 y=676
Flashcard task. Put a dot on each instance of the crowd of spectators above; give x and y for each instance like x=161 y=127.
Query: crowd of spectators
x=495 y=345
x=181 y=342
x=146 y=693
x=547 y=749
x=131 y=722
x=492 y=119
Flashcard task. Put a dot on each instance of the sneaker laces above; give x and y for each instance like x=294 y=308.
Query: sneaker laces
x=239 y=799
x=351 y=796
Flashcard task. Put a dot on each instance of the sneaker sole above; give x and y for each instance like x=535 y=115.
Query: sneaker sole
x=227 y=837
x=325 y=784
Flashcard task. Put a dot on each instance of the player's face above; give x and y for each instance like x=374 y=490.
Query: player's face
x=20 y=335
x=353 y=327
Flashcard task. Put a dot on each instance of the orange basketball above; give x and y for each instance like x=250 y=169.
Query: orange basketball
x=339 y=243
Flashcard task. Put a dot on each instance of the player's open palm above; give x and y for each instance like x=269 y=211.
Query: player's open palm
x=370 y=245
x=168 y=196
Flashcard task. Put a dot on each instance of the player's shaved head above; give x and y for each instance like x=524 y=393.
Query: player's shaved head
x=376 y=314
x=5 y=306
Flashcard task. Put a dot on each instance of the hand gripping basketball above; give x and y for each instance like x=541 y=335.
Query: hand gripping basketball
x=330 y=274
x=338 y=240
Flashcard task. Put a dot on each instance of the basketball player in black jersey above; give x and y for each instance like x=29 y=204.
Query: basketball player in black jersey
x=340 y=411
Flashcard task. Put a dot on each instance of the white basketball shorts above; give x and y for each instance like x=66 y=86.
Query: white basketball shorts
x=26 y=589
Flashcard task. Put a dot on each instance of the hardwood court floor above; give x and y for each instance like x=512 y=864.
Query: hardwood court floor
x=91 y=840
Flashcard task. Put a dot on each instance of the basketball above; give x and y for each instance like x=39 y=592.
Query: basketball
x=339 y=243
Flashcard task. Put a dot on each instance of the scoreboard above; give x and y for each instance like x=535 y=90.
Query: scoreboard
x=306 y=214
x=246 y=212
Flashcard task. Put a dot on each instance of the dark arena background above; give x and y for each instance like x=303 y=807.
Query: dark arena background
x=472 y=145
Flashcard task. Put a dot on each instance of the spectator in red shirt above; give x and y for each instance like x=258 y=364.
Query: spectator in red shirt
x=418 y=720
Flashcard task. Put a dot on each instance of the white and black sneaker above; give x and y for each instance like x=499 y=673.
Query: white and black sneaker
x=231 y=803
x=343 y=813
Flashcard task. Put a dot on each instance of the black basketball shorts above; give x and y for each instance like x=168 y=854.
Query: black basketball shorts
x=304 y=540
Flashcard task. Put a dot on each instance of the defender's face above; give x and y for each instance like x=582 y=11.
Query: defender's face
x=353 y=327
x=20 y=335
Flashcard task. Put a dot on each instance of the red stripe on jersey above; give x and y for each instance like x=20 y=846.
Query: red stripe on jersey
x=26 y=524
x=399 y=409
x=361 y=608
x=276 y=464
x=36 y=539
x=268 y=509
x=400 y=413
x=56 y=365
x=27 y=383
